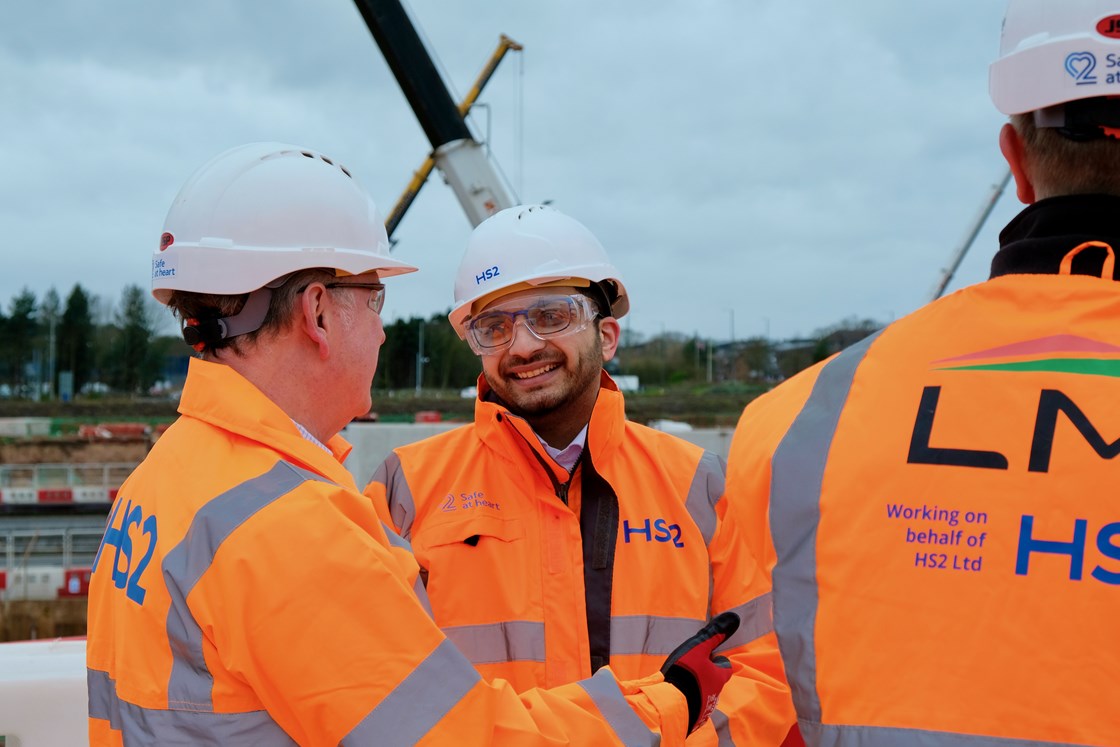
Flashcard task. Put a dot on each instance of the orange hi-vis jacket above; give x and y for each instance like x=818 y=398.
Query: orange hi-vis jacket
x=540 y=577
x=943 y=522
x=246 y=593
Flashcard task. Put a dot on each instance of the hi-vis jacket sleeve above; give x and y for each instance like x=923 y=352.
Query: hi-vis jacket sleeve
x=306 y=618
x=755 y=707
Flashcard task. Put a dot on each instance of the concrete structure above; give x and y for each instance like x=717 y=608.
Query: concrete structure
x=24 y=427
x=43 y=693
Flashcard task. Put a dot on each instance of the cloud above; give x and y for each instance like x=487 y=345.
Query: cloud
x=786 y=164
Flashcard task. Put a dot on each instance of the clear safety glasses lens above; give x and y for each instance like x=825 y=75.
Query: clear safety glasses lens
x=550 y=316
x=376 y=299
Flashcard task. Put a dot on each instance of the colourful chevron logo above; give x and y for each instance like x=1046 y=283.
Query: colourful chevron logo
x=1054 y=354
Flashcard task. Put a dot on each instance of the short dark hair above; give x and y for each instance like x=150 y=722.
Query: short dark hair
x=600 y=296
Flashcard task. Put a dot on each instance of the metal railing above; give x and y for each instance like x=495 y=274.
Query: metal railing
x=107 y=475
x=34 y=561
x=69 y=547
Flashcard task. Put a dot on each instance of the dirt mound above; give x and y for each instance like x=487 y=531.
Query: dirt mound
x=73 y=450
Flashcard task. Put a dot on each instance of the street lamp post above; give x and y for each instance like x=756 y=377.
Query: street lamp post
x=420 y=360
x=50 y=358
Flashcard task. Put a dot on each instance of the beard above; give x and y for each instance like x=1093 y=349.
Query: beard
x=556 y=395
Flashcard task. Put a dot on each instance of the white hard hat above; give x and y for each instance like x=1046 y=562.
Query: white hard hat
x=261 y=211
x=1055 y=51
x=532 y=245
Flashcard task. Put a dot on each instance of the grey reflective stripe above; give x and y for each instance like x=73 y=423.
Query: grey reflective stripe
x=103 y=701
x=419 y=702
x=523 y=640
x=723 y=728
x=395 y=540
x=190 y=684
x=513 y=640
x=421 y=593
x=828 y=735
x=797 y=471
x=649 y=634
x=631 y=730
x=756 y=619
x=177 y=728
x=704 y=493
x=418 y=588
x=399 y=496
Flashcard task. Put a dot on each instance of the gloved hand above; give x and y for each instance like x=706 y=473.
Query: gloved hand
x=697 y=673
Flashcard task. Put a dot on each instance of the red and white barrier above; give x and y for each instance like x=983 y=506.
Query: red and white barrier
x=19 y=495
x=44 y=583
x=75 y=583
x=57 y=496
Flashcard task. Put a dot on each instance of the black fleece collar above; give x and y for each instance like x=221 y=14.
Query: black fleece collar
x=1037 y=239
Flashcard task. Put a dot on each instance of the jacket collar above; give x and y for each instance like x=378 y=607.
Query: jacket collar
x=1037 y=239
x=502 y=431
x=216 y=394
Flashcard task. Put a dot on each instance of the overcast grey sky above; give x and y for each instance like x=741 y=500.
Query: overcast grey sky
x=772 y=165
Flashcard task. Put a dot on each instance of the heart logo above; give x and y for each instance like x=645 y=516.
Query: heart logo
x=1080 y=66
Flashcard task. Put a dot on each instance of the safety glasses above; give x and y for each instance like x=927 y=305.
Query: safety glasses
x=547 y=317
x=376 y=297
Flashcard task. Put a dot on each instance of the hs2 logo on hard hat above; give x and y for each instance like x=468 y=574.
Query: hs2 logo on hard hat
x=488 y=274
x=1080 y=66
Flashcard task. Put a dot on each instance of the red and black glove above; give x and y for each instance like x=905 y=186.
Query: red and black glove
x=697 y=673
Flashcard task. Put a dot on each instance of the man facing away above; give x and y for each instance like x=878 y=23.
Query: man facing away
x=943 y=524
x=556 y=536
x=245 y=592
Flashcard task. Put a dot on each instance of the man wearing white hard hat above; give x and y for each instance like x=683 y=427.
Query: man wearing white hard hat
x=556 y=536
x=944 y=533
x=245 y=592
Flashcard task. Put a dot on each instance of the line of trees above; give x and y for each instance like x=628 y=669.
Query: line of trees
x=101 y=346
x=118 y=347
x=666 y=360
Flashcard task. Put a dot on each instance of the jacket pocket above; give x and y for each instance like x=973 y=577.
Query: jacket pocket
x=470 y=531
x=479 y=569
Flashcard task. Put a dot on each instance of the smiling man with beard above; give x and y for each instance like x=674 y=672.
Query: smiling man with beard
x=557 y=537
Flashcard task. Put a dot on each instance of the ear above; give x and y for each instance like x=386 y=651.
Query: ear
x=609 y=334
x=310 y=317
x=1011 y=145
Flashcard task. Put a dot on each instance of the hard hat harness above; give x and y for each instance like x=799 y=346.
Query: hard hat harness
x=209 y=334
x=1082 y=120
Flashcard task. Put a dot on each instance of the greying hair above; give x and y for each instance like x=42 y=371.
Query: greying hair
x=1058 y=166
x=189 y=305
